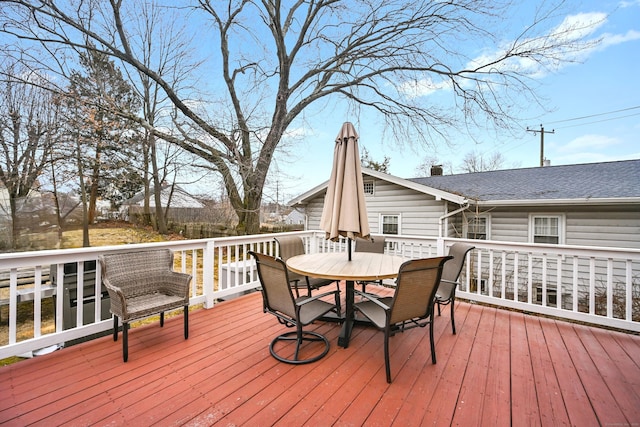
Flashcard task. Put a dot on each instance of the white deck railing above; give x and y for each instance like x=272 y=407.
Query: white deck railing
x=600 y=286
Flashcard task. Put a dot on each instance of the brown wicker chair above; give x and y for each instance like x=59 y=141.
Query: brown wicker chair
x=446 y=293
x=289 y=246
x=411 y=305
x=292 y=312
x=142 y=284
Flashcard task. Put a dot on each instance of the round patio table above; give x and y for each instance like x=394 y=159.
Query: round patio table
x=365 y=266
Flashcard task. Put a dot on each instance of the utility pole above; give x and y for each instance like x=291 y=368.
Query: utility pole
x=542 y=132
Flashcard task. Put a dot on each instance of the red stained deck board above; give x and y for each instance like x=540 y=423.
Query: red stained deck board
x=525 y=409
x=508 y=368
x=496 y=409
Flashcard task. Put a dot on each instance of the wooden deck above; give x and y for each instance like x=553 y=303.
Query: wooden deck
x=502 y=368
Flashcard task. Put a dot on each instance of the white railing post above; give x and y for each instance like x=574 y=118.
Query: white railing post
x=208 y=255
x=440 y=247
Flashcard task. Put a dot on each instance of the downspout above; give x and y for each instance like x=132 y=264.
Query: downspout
x=440 y=243
x=447 y=215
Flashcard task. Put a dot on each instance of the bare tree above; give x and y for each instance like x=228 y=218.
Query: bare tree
x=477 y=162
x=164 y=48
x=28 y=132
x=275 y=61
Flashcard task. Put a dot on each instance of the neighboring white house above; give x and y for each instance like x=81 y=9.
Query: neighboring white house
x=595 y=204
x=174 y=196
x=295 y=217
x=179 y=201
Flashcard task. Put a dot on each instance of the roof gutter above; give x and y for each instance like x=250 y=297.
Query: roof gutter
x=449 y=214
x=581 y=201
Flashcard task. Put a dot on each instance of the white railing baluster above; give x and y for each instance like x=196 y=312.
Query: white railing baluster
x=544 y=280
x=37 y=302
x=13 y=305
x=503 y=285
x=490 y=282
x=629 y=291
x=516 y=277
x=559 y=281
x=592 y=285
x=609 y=287
x=575 y=284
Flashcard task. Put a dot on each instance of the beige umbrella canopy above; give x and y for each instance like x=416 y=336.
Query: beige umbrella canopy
x=345 y=211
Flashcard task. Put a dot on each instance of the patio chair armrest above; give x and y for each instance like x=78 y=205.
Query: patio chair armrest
x=447 y=291
x=372 y=298
x=315 y=297
x=178 y=283
x=118 y=299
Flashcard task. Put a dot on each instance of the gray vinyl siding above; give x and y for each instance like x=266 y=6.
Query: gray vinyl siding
x=607 y=226
x=604 y=227
x=419 y=213
x=510 y=226
x=584 y=226
x=314 y=212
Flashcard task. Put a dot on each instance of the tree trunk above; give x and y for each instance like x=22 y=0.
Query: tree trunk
x=83 y=196
x=161 y=223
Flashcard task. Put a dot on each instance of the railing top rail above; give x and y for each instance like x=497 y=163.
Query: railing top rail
x=547 y=248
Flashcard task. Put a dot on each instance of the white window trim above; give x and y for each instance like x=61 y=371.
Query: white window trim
x=561 y=225
x=465 y=226
x=380 y=225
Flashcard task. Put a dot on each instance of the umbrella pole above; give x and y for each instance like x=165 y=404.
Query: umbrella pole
x=349 y=247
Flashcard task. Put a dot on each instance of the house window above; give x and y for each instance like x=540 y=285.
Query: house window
x=547 y=229
x=478 y=228
x=368 y=187
x=390 y=224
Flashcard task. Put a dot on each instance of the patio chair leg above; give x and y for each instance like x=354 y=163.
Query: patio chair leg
x=115 y=327
x=433 y=344
x=186 y=322
x=438 y=303
x=162 y=319
x=125 y=341
x=453 y=319
x=387 y=364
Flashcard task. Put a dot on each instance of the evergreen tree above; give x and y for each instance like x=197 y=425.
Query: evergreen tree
x=110 y=145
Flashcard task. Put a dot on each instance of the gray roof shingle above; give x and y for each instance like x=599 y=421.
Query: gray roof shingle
x=618 y=179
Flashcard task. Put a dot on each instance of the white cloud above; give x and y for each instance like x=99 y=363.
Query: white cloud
x=614 y=39
x=587 y=143
x=575 y=38
x=627 y=3
x=422 y=87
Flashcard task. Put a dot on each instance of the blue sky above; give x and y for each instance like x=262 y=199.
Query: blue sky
x=593 y=107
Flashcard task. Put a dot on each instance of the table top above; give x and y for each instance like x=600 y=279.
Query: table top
x=336 y=265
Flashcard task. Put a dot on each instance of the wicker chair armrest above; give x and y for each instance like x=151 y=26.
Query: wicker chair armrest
x=177 y=283
x=118 y=298
x=372 y=298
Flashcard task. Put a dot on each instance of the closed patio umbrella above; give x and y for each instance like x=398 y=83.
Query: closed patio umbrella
x=345 y=211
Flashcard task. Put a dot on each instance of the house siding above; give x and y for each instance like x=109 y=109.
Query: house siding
x=604 y=227
x=419 y=213
x=584 y=226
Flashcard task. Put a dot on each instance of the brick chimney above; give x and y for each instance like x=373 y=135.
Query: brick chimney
x=436 y=170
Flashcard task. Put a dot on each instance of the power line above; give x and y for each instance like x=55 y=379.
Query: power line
x=599 y=121
x=596 y=115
